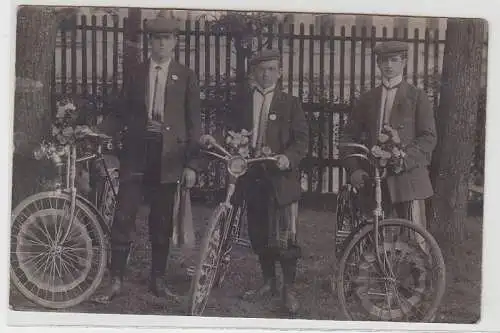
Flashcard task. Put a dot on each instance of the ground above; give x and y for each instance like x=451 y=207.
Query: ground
x=461 y=303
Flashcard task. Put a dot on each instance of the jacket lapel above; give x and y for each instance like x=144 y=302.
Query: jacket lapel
x=397 y=110
x=247 y=105
x=272 y=128
x=375 y=112
x=143 y=88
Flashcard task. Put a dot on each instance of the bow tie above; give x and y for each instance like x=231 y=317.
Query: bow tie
x=389 y=87
x=263 y=93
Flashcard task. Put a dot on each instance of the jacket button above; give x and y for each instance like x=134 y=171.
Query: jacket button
x=167 y=128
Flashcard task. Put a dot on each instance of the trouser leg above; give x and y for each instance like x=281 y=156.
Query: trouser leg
x=128 y=202
x=160 y=225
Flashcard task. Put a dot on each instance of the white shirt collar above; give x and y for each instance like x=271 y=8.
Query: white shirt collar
x=256 y=86
x=164 y=65
x=392 y=82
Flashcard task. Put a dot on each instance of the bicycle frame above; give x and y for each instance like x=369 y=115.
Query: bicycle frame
x=69 y=183
x=236 y=166
x=378 y=213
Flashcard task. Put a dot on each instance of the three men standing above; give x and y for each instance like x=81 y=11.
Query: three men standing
x=161 y=111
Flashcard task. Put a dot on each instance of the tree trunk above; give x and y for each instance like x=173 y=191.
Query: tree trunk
x=36 y=38
x=132 y=55
x=456 y=126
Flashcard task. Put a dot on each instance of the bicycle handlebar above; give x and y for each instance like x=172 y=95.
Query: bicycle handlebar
x=364 y=156
x=237 y=165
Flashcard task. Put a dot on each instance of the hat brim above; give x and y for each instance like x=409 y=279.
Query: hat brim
x=158 y=28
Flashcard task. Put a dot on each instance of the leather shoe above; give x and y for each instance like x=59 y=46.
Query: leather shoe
x=268 y=288
x=158 y=287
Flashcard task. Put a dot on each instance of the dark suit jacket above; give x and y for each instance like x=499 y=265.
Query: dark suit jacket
x=288 y=135
x=413 y=116
x=182 y=121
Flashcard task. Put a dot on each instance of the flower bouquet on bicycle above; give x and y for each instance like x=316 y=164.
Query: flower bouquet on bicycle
x=225 y=223
x=58 y=243
x=390 y=269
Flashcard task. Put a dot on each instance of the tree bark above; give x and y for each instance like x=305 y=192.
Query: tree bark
x=131 y=55
x=35 y=45
x=456 y=126
x=36 y=38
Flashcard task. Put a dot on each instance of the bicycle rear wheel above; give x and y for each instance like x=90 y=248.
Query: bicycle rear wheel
x=209 y=261
x=409 y=287
x=47 y=271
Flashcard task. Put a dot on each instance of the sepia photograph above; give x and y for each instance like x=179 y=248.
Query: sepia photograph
x=248 y=164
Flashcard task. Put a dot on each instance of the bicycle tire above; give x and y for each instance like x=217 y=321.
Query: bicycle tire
x=399 y=223
x=70 y=289
x=210 y=249
x=225 y=259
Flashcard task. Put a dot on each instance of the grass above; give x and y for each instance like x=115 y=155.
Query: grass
x=461 y=303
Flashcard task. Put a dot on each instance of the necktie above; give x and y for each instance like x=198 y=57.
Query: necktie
x=262 y=119
x=156 y=108
x=389 y=93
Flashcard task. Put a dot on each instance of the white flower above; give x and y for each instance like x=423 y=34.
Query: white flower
x=175 y=77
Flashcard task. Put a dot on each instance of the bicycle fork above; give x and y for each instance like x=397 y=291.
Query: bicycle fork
x=385 y=265
x=70 y=178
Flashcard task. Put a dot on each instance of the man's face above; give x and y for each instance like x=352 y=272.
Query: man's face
x=266 y=73
x=163 y=46
x=391 y=65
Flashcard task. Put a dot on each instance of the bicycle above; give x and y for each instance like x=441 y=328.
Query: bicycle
x=60 y=239
x=223 y=228
x=390 y=251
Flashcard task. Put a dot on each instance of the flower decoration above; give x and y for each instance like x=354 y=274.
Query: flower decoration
x=239 y=143
x=389 y=150
x=65 y=128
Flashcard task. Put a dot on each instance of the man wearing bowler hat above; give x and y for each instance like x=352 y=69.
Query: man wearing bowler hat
x=406 y=109
x=272 y=190
x=160 y=112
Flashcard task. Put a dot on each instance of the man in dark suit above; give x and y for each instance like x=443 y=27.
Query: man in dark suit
x=160 y=111
x=272 y=191
x=407 y=109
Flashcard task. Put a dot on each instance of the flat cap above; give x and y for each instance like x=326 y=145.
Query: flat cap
x=162 y=24
x=264 y=55
x=391 y=47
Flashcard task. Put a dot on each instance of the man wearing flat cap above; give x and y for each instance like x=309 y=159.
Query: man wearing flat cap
x=406 y=109
x=272 y=190
x=160 y=112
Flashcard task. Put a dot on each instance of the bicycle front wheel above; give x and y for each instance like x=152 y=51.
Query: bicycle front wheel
x=408 y=284
x=47 y=270
x=208 y=264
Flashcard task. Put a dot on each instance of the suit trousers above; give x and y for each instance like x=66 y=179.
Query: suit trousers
x=159 y=196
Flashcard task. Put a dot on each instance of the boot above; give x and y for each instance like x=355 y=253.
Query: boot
x=289 y=298
x=118 y=264
x=157 y=284
x=158 y=287
x=268 y=288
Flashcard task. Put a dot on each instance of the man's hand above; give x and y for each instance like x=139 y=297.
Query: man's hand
x=154 y=126
x=188 y=178
x=358 y=178
x=283 y=162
